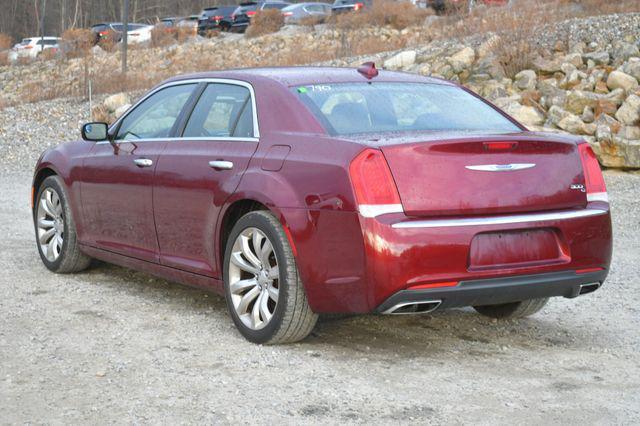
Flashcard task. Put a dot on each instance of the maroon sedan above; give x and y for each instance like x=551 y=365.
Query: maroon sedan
x=302 y=191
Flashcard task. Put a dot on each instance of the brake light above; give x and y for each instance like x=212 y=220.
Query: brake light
x=28 y=47
x=594 y=181
x=251 y=13
x=373 y=184
x=287 y=13
x=216 y=18
x=358 y=6
x=104 y=33
x=499 y=146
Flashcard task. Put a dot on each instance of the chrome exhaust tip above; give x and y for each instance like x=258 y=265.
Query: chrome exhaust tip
x=588 y=288
x=412 y=308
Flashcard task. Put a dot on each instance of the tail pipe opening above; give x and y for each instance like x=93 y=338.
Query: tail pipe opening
x=588 y=288
x=408 y=308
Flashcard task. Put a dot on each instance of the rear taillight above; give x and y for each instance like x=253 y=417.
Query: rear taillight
x=217 y=18
x=593 y=179
x=287 y=13
x=373 y=184
x=28 y=47
x=251 y=13
x=358 y=6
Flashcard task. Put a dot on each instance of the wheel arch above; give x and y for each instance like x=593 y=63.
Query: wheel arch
x=38 y=178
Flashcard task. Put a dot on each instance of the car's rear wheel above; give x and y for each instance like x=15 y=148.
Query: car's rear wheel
x=513 y=310
x=264 y=292
x=56 y=229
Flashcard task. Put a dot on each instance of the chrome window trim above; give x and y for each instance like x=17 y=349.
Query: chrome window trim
x=256 y=127
x=500 y=220
x=204 y=138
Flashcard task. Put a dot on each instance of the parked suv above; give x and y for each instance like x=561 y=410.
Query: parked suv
x=136 y=32
x=33 y=46
x=211 y=17
x=241 y=17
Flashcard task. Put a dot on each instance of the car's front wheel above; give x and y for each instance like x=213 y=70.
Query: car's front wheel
x=513 y=310
x=264 y=292
x=56 y=229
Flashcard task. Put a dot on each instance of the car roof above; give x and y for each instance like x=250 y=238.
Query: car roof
x=298 y=76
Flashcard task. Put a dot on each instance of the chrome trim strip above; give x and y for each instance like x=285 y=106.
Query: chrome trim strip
x=499 y=220
x=213 y=139
x=373 y=210
x=501 y=167
x=598 y=196
x=256 y=127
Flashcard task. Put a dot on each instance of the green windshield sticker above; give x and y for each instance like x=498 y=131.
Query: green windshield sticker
x=302 y=90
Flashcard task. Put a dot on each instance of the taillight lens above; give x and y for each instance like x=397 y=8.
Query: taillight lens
x=594 y=181
x=373 y=184
x=251 y=13
x=287 y=13
x=358 y=6
x=217 y=18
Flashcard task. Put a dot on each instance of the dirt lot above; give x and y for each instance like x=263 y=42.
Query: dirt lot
x=111 y=345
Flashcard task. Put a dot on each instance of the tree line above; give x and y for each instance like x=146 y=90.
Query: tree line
x=24 y=18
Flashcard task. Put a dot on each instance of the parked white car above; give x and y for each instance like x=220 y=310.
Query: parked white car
x=139 y=33
x=31 y=47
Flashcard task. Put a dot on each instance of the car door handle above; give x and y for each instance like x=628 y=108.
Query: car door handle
x=143 y=162
x=221 y=165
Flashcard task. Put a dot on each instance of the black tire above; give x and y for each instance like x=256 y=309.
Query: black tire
x=292 y=319
x=512 y=310
x=70 y=259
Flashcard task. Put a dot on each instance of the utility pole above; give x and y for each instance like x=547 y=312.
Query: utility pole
x=44 y=9
x=125 y=29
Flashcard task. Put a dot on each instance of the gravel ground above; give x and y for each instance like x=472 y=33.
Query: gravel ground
x=112 y=345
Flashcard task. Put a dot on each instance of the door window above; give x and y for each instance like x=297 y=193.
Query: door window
x=224 y=110
x=155 y=116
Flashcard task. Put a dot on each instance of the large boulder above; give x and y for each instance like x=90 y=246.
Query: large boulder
x=621 y=80
x=462 y=59
x=526 y=80
x=578 y=99
x=623 y=51
x=619 y=153
x=527 y=115
x=547 y=66
x=632 y=67
x=600 y=57
x=629 y=112
x=113 y=102
x=401 y=60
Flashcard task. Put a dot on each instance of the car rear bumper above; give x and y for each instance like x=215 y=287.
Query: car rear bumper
x=354 y=263
x=494 y=291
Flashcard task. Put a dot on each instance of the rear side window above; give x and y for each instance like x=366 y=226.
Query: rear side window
x=223 y=110
x=155 y=116
x=352 y=108
x=274 y=6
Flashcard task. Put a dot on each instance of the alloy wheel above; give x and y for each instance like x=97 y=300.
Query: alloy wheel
x=254 y=278
x=50 y=223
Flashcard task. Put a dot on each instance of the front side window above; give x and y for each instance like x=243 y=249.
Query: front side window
x=155 y=116
x=352 y=108
x=224 y=110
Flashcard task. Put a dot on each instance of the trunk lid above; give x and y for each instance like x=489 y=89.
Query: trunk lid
x=463 y=174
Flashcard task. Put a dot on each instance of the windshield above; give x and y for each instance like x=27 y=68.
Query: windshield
x=351 y=108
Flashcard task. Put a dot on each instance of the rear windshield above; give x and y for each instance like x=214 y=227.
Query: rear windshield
x=351 y=108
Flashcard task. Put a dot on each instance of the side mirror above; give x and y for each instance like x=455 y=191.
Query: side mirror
x=95 y=132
